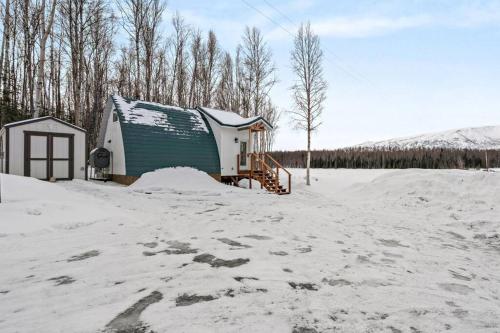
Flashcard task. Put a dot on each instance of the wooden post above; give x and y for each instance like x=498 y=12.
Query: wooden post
x=250 y=150
x=289 y=183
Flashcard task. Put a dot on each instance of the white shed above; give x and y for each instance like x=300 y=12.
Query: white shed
x=44 y=148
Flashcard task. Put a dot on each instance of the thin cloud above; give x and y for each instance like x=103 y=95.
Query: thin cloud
x=465 y=16
x=366 y=27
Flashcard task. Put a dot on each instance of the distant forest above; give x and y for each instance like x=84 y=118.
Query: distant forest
x=363 y=158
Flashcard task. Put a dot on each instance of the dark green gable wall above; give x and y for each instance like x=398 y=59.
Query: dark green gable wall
x=148 y=148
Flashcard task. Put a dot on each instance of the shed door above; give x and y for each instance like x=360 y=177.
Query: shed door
x=36 y=156
x=48 y=155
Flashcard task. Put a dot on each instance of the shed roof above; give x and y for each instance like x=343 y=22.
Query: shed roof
x=35 y=120
x=232 y=119
x=158 y=136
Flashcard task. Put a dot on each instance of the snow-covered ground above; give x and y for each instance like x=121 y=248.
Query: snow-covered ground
x=358 y=251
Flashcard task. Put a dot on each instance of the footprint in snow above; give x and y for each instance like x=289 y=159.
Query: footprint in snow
x=304 y=249
x=150 y=245
x=307 y=286
x=63 y=279
x=337 y=282
x=258 y=237
x=278 y=253
x=128 y=320
x=185 y=299
x=175 y=247
x=232 y=242
x=391 y=243
x=460 y=276
x=304 y=330
x=458 y=288
x=83 y=256
x=33 y=211
x=207 y=258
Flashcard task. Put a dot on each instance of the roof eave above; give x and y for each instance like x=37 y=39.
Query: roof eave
x=240 y=126
x=35 y=120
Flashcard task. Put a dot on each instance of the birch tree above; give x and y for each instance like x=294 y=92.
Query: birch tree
x=150 y=38
x=258 y=71
x=45 y=30
x=309 y=89
x=134 y=13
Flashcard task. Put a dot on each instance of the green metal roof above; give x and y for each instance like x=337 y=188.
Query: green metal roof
x=159 y=136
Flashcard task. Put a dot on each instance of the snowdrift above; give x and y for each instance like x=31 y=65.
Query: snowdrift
x=180 y=179
x=430 y=185
x=17 y=188
x=30 y=205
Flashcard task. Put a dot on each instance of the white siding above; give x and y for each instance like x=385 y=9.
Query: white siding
x=113 y=141
x=228 y=148
x=16 y=145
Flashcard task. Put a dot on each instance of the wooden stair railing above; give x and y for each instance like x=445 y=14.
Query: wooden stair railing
x=268 y=173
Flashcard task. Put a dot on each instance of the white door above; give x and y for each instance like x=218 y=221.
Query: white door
x=48 y=155
x=60 y=157
x=37 y=156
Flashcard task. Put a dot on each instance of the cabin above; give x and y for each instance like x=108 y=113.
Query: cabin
x=144 y=136
x=45 y=148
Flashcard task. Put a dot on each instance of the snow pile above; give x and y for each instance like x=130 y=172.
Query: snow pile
x=29 y=205
x=487 y=137
x=427 y=185
x=21 y=189
x=180 y=179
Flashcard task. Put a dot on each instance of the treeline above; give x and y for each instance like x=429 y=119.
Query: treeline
x=65 y=57
x=362 y=158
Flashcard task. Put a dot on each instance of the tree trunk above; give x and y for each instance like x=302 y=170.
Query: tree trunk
x=308 y=172
x=41 y=65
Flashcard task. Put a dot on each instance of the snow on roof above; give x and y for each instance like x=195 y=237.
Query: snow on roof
x=229 y=118
x=155 y=114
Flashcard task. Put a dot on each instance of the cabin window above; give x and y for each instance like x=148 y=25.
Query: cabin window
x=115 y=116
x=243 y=153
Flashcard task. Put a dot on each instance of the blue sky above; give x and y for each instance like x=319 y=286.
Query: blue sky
x=395 y=67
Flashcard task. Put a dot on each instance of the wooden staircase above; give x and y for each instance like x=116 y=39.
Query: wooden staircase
x=266 y=170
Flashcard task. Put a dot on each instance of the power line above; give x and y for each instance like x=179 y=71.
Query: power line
x=268 y=17
x=344 y=66
x=340 y=63
x=281 y=13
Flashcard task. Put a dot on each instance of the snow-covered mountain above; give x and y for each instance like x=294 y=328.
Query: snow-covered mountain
x=486 y=137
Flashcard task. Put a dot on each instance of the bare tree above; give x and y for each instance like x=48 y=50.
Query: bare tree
x=4 y=58
x=309 y=89
x=210 y=61
x=178 y=88
x=134 y=13
x=225 y=89
x=258 y=70
x=150 y=37
x=196 y=58
x=45 y=30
